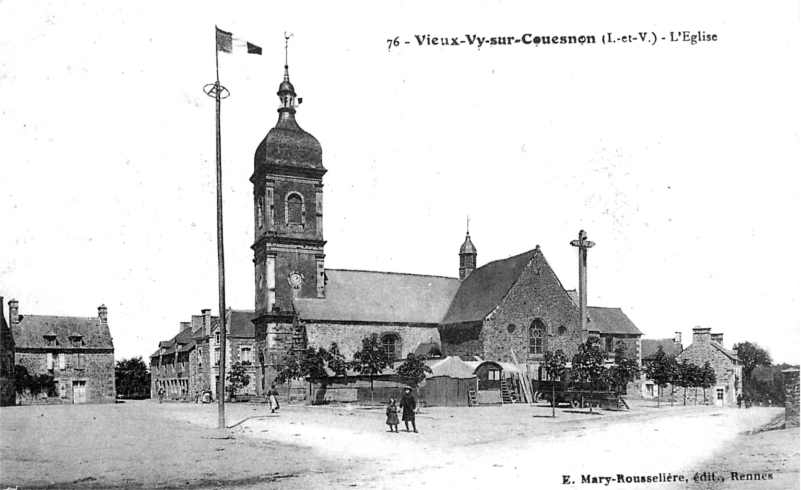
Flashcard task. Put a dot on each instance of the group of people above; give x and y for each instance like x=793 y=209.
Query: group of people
x=407 y=405
x=743 y=401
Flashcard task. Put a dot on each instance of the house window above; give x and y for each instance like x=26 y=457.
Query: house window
x=50 y=341
x=494 y=375
x=535 y=334
x=217 y=337
x=294 y=209
x=199 y=357
x=62 y=361
x=76 y=341
x=609 y=344
x=245 y=355
x=79 y=360
x=720 y=394
x=391 y=344
x=217 y=355
x=51 y=361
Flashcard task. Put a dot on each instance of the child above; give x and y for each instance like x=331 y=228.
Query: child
x=392 y=415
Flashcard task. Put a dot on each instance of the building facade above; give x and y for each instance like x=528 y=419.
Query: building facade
x=77 y=351
x=708 y=347
x=187 y=365
x=8 y=392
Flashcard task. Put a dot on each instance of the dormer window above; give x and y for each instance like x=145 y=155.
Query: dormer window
x=50 y=339
x=76 y=340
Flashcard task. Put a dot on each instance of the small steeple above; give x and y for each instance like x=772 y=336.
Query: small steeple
x=286 y=92
x=467 y=255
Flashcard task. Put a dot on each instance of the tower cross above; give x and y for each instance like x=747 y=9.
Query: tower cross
x=583 y=245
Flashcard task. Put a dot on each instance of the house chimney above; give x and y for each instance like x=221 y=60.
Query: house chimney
x=677 y=338
x=701 y=334
x=185 y=326
x=102 y=313
x=206 y=321
x=718 y=337
x=13 y=312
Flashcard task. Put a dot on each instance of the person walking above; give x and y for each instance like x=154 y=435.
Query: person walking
x=408 y=405
x=740 y=400
x=392 y=416
x=161 y=393
x=273 y=395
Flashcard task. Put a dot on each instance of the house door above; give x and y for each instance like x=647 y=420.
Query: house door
x=719 y=397
x=79 y=392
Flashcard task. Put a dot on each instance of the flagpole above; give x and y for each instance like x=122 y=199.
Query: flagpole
x=219 y=92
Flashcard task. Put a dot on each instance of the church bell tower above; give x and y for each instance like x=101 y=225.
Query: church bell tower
x=288 y=221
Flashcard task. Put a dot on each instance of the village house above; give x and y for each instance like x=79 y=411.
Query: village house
x=8 y=392
x=707 y=346
x=514 y=305
x=77 y=351
x=671 y=347
x=187 y=365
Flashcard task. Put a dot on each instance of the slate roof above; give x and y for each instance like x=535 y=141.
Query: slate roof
x=240 y=324
x=649 y=347
x=484 y=289
x=428 y=349
x=611 y=321
x=607 y=320
x=366 y=296
x=30 y=332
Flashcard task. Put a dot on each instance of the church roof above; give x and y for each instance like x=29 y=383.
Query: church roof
x=484 y=289
x=289 y=145
x=366 y=296
x=31 y=329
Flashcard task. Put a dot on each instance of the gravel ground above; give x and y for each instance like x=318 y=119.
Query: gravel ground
x=147 y=445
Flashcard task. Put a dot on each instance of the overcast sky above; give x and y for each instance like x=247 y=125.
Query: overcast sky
x=680 y=160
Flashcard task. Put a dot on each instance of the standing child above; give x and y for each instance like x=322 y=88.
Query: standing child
x=392 y=415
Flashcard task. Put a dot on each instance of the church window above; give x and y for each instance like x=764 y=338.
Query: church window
x=562 y=330
x=511 y=328
x=391 y=344
x=536 y=333
x=294 y=209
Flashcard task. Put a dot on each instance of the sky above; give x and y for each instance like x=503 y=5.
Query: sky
x=679 y=159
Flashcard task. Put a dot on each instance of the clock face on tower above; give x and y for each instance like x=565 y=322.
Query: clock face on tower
x=295 y=279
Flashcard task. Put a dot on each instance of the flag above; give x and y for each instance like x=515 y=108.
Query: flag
x=227 y=43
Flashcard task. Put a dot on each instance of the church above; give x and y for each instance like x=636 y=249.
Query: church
x=509 y=310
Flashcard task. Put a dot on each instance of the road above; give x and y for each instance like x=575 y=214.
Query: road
x=147 y=445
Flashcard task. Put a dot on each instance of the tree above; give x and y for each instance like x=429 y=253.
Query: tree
x=662 y=369
x=33 y=384
x=132 y=378
x=625 y=369
x=336 y=361
x=371 y=360
x=588 y=364
x=555 y=363
x=290 y=369
x=685 y=376
x=237 y=378
x=413 y=371
x=752 y=356
x=707 y=378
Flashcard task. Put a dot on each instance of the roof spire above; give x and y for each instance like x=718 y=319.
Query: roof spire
x=286 y=55
x=468 y=225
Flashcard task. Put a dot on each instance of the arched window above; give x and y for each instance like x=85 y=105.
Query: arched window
x=260 y=211
x=391 y=344
x=294 y=209
x=536 y=333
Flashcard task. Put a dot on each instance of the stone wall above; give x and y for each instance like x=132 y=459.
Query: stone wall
x=728 y=374
x=536 y=294
x=97 y=372
x=791 y=397
x=349 y=336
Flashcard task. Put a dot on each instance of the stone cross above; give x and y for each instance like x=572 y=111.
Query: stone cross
x=583 y=244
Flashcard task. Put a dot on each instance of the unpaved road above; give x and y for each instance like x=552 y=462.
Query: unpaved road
x=147 y=445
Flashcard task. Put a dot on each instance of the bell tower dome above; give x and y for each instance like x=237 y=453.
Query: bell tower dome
x=467 y=256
